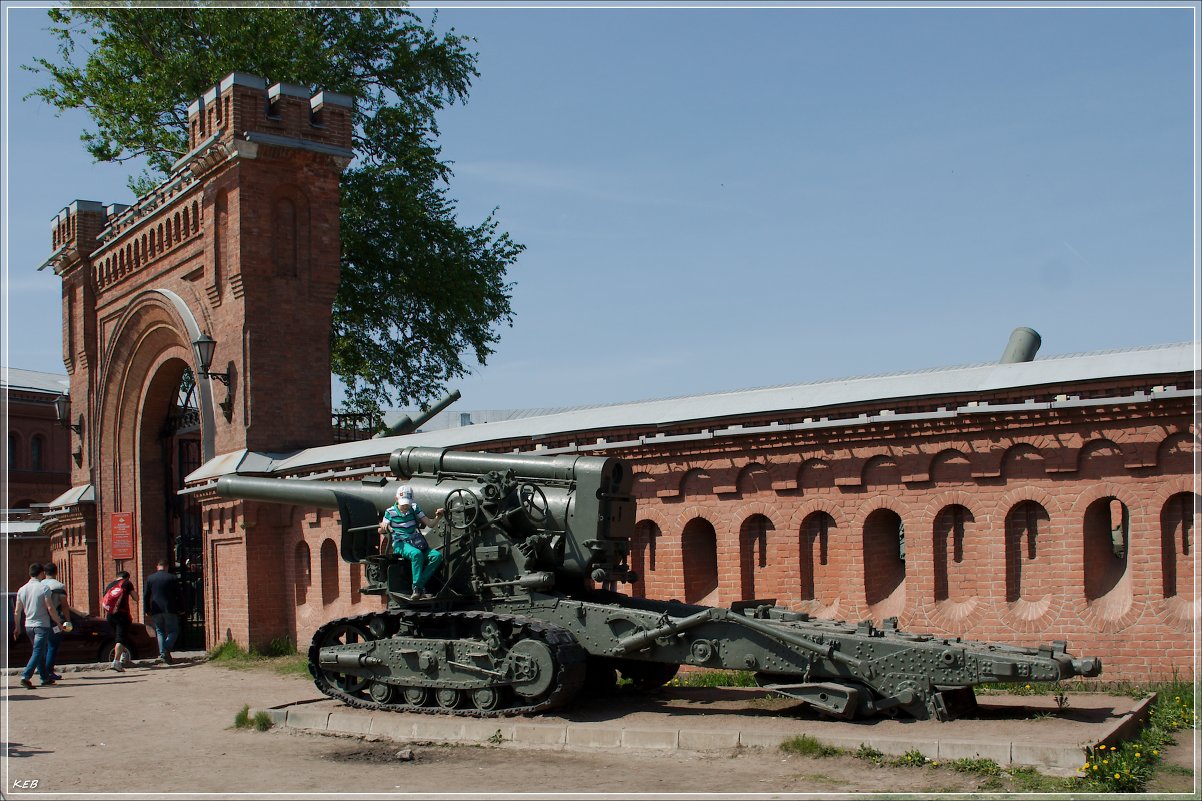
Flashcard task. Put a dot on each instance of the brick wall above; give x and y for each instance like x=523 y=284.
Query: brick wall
x=1008 y=526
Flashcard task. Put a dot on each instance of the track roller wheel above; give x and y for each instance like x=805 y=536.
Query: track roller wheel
x=488 y=699
x=381 y=693
x=447 y=698
x=416 y=696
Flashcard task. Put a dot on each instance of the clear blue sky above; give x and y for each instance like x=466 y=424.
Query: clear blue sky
x=722 y=198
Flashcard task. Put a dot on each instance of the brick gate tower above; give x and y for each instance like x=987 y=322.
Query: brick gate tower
x=240 y=246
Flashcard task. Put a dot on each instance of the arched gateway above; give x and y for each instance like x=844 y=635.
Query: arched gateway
x=174 y=314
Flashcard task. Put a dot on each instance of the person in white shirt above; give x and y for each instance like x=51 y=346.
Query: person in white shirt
x=37 y=614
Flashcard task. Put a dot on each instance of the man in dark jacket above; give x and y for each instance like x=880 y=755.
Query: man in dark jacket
x=160 y=601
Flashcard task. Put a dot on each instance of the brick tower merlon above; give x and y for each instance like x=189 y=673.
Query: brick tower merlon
x=243 y=106
x=75 y=231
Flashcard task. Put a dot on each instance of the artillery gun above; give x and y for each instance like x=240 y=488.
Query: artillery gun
x=525 y=613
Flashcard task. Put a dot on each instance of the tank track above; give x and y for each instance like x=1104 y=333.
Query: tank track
x=569 y=657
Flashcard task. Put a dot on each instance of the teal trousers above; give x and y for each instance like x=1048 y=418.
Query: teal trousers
x=422 y=563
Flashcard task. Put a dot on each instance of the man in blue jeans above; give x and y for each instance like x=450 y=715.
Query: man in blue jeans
x=160 y=600
x=34 y=611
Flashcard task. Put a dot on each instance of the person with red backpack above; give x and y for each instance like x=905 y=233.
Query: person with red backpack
x=115 y=604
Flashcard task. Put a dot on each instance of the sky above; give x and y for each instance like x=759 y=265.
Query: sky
x=720 y=198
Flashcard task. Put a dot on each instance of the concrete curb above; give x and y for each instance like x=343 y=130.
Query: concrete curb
x=1055 y=759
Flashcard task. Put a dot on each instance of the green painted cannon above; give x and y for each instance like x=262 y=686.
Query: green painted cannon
x=525 y=613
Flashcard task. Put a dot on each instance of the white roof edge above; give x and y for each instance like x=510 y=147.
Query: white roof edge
x=824 y=394
x=85 y=493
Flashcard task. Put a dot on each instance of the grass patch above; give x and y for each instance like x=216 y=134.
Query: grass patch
x=279 y=655
x=981 y=767
x=1030 y=780
x=805 y=745
x=714 y=678
x=869 y=754
x=1128 y=766
x=260 y=722
x=912 y=759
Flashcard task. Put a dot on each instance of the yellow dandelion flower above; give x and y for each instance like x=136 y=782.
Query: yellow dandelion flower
x=1155 y=752
x=1137 y=755
x=1095 y=767
x=1116 y=776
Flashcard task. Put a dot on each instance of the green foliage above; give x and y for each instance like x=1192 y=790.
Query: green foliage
x=278 y=655
x=870 y=754
x=262 y=721
x=496 y=738
x=228 y=651
x=911 y=759
x=1127 y=766
x=805 y=745
x=419 y=291
x=714 y=678
x=242 y=719
x=981 y=767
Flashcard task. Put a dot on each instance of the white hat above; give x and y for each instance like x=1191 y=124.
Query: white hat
x=404 y=494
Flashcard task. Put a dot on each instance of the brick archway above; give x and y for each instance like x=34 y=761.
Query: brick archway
x=239 y=243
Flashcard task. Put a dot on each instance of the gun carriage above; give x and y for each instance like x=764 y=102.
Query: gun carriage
x=525 y=611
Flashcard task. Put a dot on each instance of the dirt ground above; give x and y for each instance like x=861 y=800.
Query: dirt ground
x=163 y=729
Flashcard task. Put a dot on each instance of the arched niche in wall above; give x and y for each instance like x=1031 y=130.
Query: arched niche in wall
x=643 y=555
x=699 y=548
x=1023 y=462
x=753 y=553
x=1176 y=454
x=1027 y=577
x=1100 y=458
x=815 y=575
x=951 y=467
x=956 y=570
x=880 y=471
x=814 y=475
x=302 y=569
x=753 y=478
x=1105 y=550
x=1178 y=533
x=329 y=571
x=884 y=564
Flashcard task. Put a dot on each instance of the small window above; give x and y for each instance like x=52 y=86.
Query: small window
x=35 y=452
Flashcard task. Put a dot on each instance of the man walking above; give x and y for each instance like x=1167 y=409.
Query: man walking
x=33 y=610
x=58 y=600
x=115 y=604
x=160 y=600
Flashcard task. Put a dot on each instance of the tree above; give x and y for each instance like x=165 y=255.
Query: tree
x=419 y=290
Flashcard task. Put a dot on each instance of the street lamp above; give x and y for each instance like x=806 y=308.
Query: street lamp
x=62 y=413
x=205 y=345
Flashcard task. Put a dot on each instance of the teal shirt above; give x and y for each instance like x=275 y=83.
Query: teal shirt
x=403 y=527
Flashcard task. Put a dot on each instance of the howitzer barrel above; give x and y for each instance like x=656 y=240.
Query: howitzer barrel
x=407 y=425
x=413 y=461
x=299 y=492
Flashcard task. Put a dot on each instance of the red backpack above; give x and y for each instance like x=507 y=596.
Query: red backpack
x=110 y=602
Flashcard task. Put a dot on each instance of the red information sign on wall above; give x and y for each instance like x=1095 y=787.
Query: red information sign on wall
x=122 y=524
